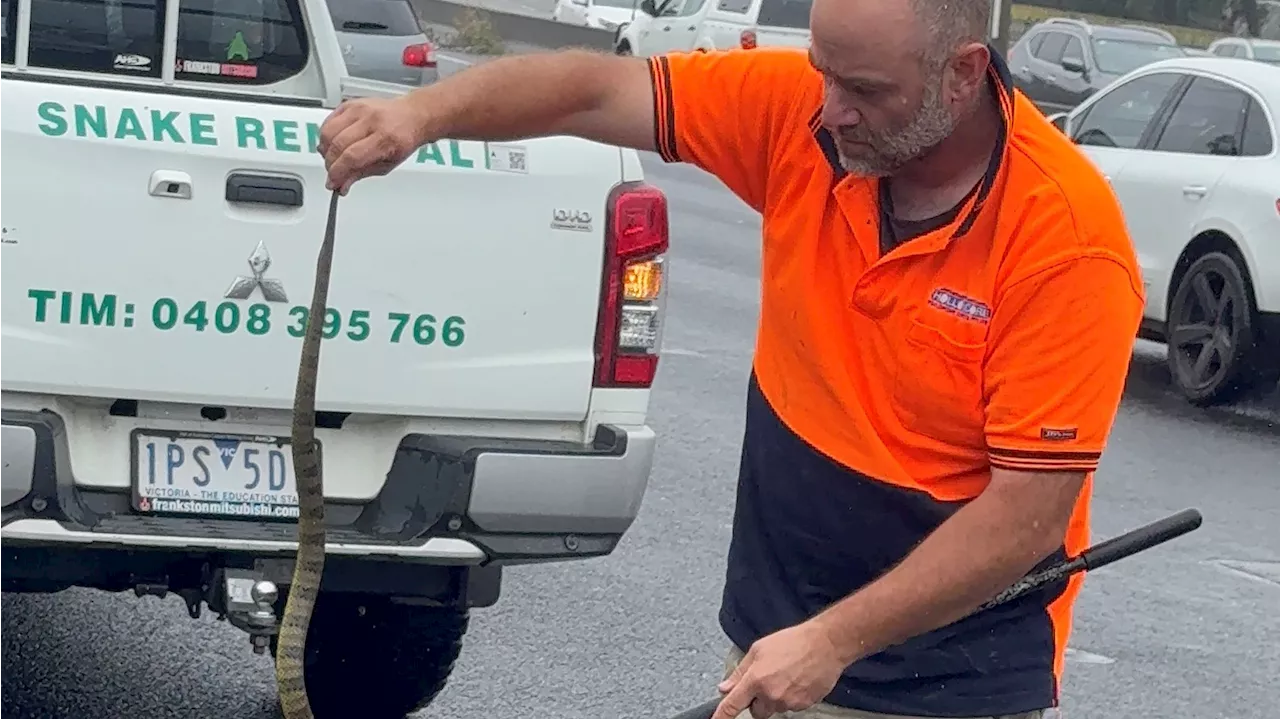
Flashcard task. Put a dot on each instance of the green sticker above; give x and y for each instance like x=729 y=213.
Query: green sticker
x=238 y=48
x=231 y=317
x=177 y=127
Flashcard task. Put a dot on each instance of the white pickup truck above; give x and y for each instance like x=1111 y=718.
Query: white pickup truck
x=493 y=331
x=662 y=26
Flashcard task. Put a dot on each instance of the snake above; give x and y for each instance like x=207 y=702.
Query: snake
x=308 y=565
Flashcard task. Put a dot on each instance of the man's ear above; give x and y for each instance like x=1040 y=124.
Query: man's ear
x=968 y=70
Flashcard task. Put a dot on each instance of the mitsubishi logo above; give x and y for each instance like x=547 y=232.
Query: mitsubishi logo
x=259 y=262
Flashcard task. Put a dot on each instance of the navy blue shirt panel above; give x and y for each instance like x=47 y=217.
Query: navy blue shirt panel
x=808 y=532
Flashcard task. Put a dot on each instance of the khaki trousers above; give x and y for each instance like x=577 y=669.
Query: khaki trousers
x=826 y=711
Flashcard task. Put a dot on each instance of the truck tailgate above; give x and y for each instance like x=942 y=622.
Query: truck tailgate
x=144 y=259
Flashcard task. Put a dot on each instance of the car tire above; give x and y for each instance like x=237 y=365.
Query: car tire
x=1211 y=332
x=372 y=658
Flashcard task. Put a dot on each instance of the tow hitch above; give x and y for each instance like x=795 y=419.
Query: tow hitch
x=244 y=597
x=249 y=603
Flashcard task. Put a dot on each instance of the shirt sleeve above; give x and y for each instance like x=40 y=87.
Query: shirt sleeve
x=1062 y=342
x=727 y=111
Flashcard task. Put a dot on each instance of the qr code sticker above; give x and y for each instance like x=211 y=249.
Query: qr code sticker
x=508 y=158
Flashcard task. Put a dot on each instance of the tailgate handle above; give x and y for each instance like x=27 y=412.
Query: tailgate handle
x=264 y=189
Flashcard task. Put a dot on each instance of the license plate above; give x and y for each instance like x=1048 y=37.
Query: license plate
x=209 y=474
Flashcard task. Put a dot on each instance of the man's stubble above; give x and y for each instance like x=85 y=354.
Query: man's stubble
x=932 y=123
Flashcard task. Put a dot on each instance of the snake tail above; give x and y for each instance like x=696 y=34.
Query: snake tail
x=309 y=565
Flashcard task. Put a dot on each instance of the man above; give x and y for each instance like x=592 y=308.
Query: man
x=949 y=304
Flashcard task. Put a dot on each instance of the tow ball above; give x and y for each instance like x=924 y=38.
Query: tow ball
x=249 y=603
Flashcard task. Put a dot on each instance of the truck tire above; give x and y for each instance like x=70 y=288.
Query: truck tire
x=371 y=658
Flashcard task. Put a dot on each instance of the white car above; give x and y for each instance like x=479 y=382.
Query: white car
x=603 y=14
x=1190 y=146
x=664 y=26
x=1249 y=48
x=490 y=340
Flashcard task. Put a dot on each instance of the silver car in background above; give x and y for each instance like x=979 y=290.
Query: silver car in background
x=383 y=40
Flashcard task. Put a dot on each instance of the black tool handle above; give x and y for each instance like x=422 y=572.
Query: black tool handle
x=1099 y=555
x=1141 y=539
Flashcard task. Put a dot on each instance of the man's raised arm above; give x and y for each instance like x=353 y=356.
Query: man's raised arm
x=727 y=112
x=599 y=97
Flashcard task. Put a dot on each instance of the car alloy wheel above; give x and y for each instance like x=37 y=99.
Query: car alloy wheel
x=1210 y=330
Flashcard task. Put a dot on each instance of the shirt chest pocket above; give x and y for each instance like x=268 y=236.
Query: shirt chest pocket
x=938 y=385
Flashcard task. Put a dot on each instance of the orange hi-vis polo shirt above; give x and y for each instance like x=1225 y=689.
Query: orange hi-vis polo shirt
x=885 y=388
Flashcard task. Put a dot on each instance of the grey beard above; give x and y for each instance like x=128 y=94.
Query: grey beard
x=931 y=124
x=926 y=131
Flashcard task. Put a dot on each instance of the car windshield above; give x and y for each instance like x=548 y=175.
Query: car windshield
x=625 y=4
x=1116 y=57
x=1267 y=53
x=374 y=17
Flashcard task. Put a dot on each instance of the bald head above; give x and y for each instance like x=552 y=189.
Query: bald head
x=926 y=28
x=951 y=23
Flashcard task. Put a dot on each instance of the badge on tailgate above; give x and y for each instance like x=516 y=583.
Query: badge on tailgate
x=259 y=262
x=569 y=219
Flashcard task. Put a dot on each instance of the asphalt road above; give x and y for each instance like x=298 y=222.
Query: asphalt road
x=1187 y=630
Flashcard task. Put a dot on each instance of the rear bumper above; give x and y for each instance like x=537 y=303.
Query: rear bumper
x=446 y=500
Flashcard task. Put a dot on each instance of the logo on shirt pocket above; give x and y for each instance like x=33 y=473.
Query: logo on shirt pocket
x=959 y=305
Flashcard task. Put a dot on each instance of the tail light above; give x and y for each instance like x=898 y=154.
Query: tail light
x=420 y=55
x=747 y=39
x=633 y=295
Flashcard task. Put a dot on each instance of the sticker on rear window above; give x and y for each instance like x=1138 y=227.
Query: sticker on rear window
x=238 y=48
x=247 y=71
x=199 y=67
x=226 y=69
x=129 y=61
